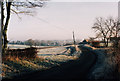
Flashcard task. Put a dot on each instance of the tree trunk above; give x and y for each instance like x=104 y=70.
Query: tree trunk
x=5 y=41
x=1 y=4
x=2 y=24
x=107 y=42
x=104 y=42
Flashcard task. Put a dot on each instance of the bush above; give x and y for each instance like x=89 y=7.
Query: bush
x=22 y=53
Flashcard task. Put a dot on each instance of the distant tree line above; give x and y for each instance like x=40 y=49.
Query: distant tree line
x=32 y=42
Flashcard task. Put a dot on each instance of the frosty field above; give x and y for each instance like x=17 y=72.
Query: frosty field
x=54 y=50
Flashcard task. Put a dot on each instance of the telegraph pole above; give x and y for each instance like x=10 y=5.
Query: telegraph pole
x=74 y=38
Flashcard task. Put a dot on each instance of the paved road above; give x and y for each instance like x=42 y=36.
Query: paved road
x=72 y=70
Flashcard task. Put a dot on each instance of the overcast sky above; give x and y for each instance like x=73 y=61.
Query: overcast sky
x=57 y=20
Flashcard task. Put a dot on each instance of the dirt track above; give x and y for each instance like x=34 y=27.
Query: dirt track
x=72 y=70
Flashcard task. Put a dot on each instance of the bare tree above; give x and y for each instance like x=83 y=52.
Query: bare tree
x=106 y=28
x=7 y=7
x=30 y=42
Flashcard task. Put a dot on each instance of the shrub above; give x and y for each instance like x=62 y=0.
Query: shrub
x=22 y=53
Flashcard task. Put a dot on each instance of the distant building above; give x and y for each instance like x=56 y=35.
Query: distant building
x=95 y=43
x=85 y=41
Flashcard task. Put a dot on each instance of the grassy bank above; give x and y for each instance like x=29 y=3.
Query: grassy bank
x=14 y=65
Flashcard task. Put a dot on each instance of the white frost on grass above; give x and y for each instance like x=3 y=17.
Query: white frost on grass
x=59 y=58
x=55 y=50
x=64 y=54
x=10 y=46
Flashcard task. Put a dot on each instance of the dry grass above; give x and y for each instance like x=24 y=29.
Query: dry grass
x=117 y=51
x=13 y=65
x=115 y=54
